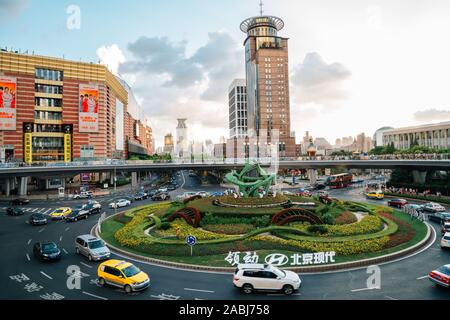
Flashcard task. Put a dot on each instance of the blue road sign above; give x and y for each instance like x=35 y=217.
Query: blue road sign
x=191 y=240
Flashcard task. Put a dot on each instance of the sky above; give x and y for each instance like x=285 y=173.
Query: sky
x=355 y=65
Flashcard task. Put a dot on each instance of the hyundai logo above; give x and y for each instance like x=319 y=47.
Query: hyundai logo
x=277 y=259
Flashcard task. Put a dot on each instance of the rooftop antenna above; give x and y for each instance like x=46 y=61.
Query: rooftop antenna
x=261 y=5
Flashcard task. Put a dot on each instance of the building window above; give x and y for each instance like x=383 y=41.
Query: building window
x=47 y=74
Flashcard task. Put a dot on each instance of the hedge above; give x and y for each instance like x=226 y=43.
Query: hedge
x=445 y=200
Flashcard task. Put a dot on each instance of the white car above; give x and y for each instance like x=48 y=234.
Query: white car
x=163 y=190
x=84 y=195
x=120 y=204
x=186 y=195
x=203 y=194
x=445 y=241
x=250 y=277
x=433 y=207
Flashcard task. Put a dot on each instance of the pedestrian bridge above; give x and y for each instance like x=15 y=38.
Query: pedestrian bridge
x=55 y=169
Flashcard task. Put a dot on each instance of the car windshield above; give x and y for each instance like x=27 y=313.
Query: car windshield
x=96 y=244
x=131 y=271
x=37 y=216
x=447 y=238
x=445 y=270
x=59 y=211
x=279 y=273
x=49 y=247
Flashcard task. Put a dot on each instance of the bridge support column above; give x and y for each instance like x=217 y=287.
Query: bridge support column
x=23 y=186
x=419 y=176
x=8 y=187
x=134 y=180
x=312 y=176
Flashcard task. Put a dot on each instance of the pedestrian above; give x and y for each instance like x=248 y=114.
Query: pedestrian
x=178 y=233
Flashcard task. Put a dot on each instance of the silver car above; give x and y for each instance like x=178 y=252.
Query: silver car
x=92 y=247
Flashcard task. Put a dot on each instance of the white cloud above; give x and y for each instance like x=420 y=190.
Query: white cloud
x=111 y=56
x=316 y=81
x=432 y=115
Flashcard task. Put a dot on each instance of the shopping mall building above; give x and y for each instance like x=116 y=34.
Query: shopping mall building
x=53 y=109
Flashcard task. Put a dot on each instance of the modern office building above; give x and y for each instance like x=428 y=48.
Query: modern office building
x=58 y=110
x=267 y=82
x=237 y=102
x=435 y=135
x=169 y=146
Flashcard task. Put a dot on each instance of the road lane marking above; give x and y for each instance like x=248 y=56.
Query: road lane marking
x=67 y=229
x=86 y=265
x=198 y=290
x=34 y=210
x=42 y=209
x=46 y=275
x=390 y=298
x=29 y=241
x=60 y=239
x=28 y=257
x=420 y=278
x=94 y=296
x=41 y=230
x=365 y=289
x=49 y=209
x=65 y=251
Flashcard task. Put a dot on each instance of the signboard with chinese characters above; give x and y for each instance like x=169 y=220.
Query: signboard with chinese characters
x=281 y=260
x=8 y=92
x=89 y=107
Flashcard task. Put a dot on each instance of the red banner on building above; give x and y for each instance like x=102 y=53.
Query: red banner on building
x=89 y=104
x=8 y=91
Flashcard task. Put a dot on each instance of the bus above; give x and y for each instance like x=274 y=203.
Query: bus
x=339 y=181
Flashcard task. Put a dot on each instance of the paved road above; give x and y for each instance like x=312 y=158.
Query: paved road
x=23 y=277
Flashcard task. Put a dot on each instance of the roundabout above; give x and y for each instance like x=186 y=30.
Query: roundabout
x=336 y=235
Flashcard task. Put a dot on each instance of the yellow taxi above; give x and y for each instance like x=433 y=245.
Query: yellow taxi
x=377 y=195
x=122 y=274
x=60 y=213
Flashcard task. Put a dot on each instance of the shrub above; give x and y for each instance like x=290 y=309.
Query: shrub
x=261 y=222
x=345 y=217
x=231 y=229
x=164 y=226
x=328 y=218
x=317 y=229
x=369 y=224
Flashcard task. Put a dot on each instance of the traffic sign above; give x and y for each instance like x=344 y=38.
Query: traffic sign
x=191 y=241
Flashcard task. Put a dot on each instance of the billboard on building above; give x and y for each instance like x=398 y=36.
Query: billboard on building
x=8 y=88
x=88 y=116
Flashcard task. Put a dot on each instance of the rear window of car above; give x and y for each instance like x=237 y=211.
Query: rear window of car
x=444 y=270
x=447 y=238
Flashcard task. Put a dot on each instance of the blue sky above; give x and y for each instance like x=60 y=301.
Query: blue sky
x=356 y=65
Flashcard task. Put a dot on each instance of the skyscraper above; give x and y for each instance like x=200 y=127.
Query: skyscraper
x=267 y=79
x=182 y=147
x=237 y=97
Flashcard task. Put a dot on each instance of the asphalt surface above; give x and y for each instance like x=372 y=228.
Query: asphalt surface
x=24 y=277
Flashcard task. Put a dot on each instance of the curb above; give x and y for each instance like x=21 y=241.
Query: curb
x=318 y=269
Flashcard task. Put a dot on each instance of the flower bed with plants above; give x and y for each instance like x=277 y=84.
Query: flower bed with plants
x=381 y=230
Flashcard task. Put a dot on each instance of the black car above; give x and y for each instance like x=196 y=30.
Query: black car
x=46 y=251
x=93 y=207
x=162 y=196
x=439 y=217
x=152 y=193
x=14 y=211
x=77 y=214
x=38 y=219
x=20 y=202
x=140 y=196
x=172 y=187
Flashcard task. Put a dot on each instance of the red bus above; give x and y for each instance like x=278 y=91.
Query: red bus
x=339 y=181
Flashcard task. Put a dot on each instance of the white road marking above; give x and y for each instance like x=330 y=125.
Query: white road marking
x=42 y=209
x=65 y=251
x=28 y=257
x=60 y=239
x=34 y=210
x=49 y=209
x=86 y=265
x=67 y=229
x=282 y=294
x=94 y=296
x=390 y=298
x=29 y=241
x=365 y=289
x=46 y=275
x=420 y=278
x=198 y=290
x=41 y=230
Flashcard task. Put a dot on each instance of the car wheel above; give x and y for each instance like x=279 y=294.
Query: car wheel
x=247 y=288
x=128 y=289
x=101 y=282
x=90 y=257
x=288 y=290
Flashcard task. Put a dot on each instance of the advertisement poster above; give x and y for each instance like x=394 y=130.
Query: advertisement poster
x=88 y=119
x=8 y=87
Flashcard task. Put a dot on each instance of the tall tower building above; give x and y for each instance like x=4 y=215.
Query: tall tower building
x=267 y=79
x=168 y=143
x=237 y=101
x=182 y=138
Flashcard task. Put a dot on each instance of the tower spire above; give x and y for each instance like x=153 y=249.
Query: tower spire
x=261 y=5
